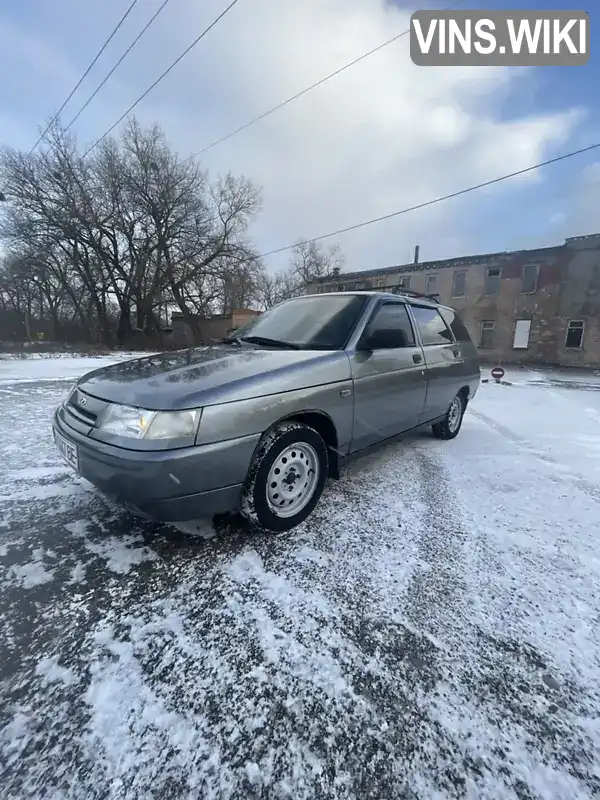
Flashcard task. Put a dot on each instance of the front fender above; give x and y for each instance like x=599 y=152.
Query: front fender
x=256 y=415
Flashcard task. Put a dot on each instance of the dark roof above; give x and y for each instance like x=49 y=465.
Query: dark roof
x=462 y=261
x=202 y=318
x=407 y=295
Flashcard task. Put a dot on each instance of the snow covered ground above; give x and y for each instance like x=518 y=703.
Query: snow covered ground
x=60 y=367
x=432 y=631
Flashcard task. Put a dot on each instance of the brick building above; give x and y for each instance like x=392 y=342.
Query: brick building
x=216 y=327
x=526 y=306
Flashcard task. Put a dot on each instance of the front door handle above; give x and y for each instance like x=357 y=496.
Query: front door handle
x=417 y=358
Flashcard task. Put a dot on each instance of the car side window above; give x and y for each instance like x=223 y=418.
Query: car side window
x=391 y=327
x=432 y=327
x=454 y=322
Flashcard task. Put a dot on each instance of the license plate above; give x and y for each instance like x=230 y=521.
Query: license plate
x=68 y=450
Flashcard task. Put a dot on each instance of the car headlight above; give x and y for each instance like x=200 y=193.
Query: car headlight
x=139 y=423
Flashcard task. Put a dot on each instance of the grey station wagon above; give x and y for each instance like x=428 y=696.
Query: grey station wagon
x=258 y=422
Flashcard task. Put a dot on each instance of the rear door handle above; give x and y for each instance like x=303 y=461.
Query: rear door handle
x=417 y=358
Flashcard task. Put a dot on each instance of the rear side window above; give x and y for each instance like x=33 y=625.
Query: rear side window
x=393 y=319
x=432 y=326
x=454 y=322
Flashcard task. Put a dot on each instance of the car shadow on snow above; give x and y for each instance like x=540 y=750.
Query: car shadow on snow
x=229 y=534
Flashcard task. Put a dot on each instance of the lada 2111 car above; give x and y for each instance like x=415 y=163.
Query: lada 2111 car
x=258 y=422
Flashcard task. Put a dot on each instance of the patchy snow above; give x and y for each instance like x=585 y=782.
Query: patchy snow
x=51 y=671
x=119 y=553
x=431 y=632
x=49 y=491
x=35 y=473
x=32 y=573
x=78 y=573
x=6 y=545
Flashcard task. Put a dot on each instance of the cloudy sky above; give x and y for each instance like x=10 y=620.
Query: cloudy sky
x=382 y=136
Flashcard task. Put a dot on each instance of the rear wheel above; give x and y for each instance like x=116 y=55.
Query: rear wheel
x=286 y=478
x=449 y=427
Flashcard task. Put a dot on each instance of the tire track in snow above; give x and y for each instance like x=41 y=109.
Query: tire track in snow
x=585 y=486
x=438 y=593
x=529 y=701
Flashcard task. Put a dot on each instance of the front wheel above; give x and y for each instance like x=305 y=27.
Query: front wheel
x=449 y=427
x=286 y=478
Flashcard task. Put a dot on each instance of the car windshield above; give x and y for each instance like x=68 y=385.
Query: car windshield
x=310 y=323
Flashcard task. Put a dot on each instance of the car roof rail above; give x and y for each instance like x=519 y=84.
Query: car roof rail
x=434 y=298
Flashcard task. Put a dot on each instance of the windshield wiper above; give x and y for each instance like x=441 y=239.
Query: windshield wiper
x=270 y=342
x=228 y=340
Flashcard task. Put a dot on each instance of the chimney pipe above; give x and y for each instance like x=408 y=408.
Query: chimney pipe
x=416 y=261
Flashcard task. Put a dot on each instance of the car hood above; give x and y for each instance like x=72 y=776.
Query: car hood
x=208 y=375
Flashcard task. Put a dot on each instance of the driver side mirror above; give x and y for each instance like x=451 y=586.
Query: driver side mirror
x=382 y=339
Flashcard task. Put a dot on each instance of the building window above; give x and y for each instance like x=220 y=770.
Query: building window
x=574 y=337
x=339 y=287
x=486 y=338
x=529 y=282
x=521 y=337
x=459 y=284
x=431 y=284
x=492 y=281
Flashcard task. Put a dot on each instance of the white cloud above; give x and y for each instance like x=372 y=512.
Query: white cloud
x=558 y=218
x=383 y=135
x=575 y=208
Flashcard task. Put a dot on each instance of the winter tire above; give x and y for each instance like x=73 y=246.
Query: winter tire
x=286 y=478
x=449 y=427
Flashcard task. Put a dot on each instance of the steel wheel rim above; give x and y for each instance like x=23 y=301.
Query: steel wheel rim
x=292 y=480
x=454 y=414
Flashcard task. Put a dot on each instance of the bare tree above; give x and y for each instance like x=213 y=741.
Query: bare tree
x=308 y=261
x=122 y=233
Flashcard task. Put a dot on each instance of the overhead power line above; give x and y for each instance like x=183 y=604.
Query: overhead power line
x=308 y=89
x=85 y=74
x=437 y=200
x=162 y=76
x=118 y=64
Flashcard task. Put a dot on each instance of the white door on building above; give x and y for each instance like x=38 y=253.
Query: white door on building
x=521 y=340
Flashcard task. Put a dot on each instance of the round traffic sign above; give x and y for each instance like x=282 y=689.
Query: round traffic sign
x=497 y=373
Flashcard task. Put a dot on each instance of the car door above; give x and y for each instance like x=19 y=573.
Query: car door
x=389 y=377
x=467 y=351
x=443 y=360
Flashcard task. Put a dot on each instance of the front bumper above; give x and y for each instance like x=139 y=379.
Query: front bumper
x=166 y=485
